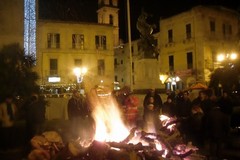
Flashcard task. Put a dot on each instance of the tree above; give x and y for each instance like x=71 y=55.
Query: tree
x=16 y=70
x=147 y=41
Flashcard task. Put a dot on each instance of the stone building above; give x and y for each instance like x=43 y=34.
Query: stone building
x=64 y=45
x=191 y=41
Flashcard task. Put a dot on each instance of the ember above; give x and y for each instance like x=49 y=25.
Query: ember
x=114 y=140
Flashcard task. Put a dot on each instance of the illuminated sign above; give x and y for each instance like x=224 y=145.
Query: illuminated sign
x=54 y=79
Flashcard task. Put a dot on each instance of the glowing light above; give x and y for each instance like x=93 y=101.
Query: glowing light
x=30 y=27
x=108 y=118
x=220 y=57
x=80 y=72
x=162 y=78
x=233 y=56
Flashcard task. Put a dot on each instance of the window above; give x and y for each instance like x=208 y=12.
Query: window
x=115 y=78
x=53 y=67
x=170 y=36
x=111 y=19
x=171 y=63
x=101 y=42
x=110 y=2
x=188 y=31
x=189 y=60
x=78 y=62
x=227 y=29
x=115 y=61
x=133 y=67
x=78 y=41
x=101 y=67
x=53 y=40
x=212 y=26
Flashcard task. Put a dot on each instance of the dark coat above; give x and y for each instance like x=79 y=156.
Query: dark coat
x=157 y=102
x=217 y=124
x=77 y=108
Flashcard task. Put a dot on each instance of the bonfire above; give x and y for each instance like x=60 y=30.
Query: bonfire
x=113 y=139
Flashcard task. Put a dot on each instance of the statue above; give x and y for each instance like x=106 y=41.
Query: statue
x=147 y=42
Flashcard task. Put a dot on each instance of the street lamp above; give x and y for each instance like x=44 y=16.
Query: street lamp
x=79 y=73
x=228 y=58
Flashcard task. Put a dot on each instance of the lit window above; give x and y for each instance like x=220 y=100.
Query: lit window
x=78 y=41
x=101 y=42
x=53 y=40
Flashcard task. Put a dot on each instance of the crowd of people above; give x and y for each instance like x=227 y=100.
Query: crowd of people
x=204 y=119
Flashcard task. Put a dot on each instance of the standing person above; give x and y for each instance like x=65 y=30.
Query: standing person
x=34 y=108
x=183 y=105
x=196 y=126
x=131 y=110
x=35 y=115
x=150 y=116
x=8 y=112
x=152 y=105
x=169 y=107
x=157 y=100
x=225 y=102
x=217 y=128
x=78 y=111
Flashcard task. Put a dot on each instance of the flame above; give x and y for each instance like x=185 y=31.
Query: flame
x=108 y=118
x=166 y=120
x=110 y=126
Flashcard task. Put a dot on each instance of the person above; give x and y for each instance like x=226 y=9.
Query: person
x=206 y=102
x=35 y=109
x=152 y=105
x=131 y=110
x=183 y=112
x=8 y=111
x=196 y=125
x=226 y=104
x=216 y=129
x=184 y=104
x=197 y=101
x=77 y=111
x=169 y=107
x=157 y=100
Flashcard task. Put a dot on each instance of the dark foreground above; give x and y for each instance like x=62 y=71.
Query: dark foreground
x=19 y=148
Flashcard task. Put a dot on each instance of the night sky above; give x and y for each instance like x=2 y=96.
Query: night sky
x=85 y=10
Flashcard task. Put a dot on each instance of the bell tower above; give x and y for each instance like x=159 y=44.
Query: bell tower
x=108 y=14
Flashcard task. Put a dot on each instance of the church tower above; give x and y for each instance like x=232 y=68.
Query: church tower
x=108 y=14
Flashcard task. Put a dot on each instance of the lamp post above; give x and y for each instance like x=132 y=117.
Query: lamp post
x=79 y=73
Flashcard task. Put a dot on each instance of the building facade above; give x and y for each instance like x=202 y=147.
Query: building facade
x=12 y=23
x=63 y=46
x=189 y=42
